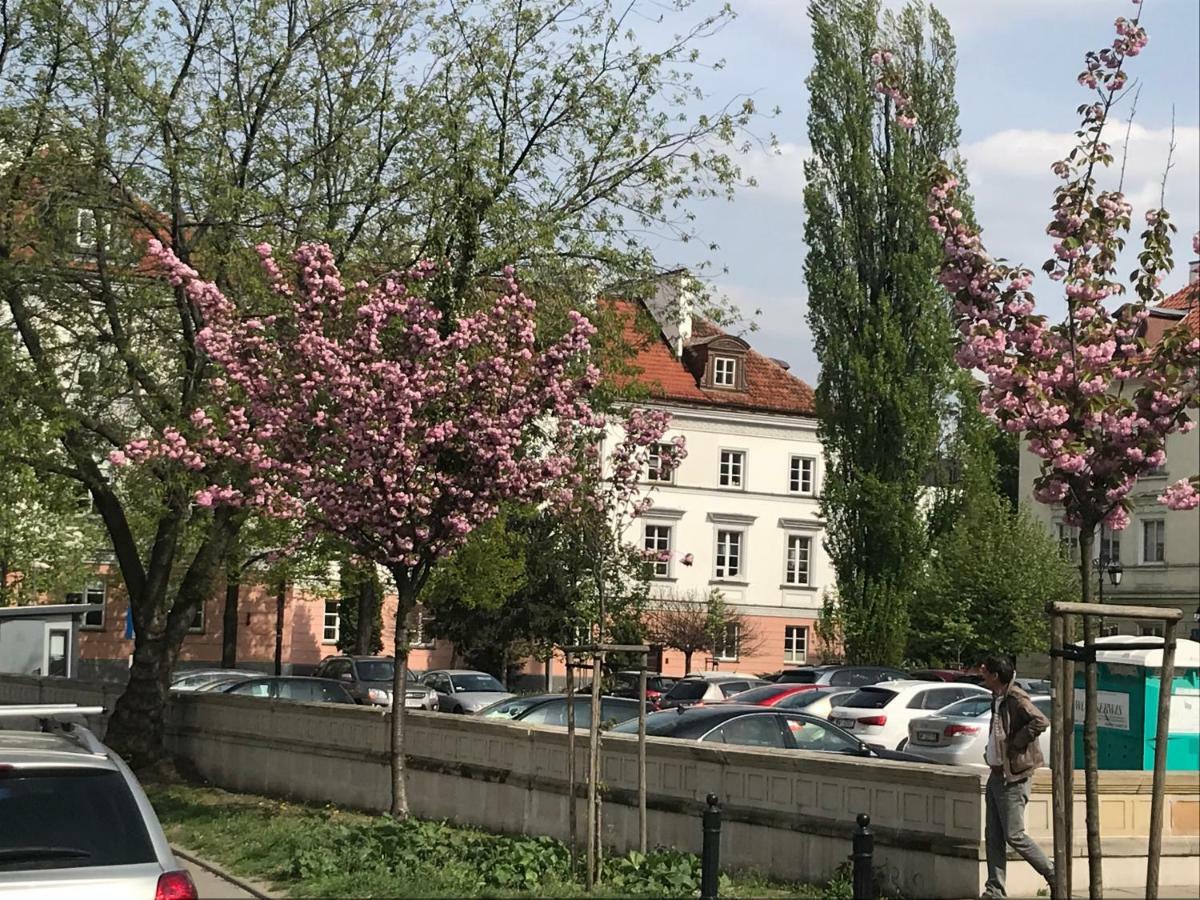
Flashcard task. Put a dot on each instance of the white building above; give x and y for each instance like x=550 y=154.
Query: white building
x=744 y=503
x=1159 y=552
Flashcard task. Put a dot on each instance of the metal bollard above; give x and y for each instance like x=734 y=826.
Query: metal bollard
x=710 y=859
x=863 y=859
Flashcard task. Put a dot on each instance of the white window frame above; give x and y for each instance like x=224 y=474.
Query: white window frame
x=53 y=628
x=1143 y=556
x=724 y=371
x=1109 y=538
x=790 y=576
x=796 y=475
x=721 y=652
x=92 y=589
x=739 y=555
x=1150 y=629
x=660 y=569
x=325 y=626
x=195 y=628
x=654 y=471
x=1109 y=629
x=416 y=629
x=1068 y=539
x=726 y=468
x=792 y=653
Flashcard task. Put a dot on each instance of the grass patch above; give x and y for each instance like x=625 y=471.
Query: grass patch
x=311 y=851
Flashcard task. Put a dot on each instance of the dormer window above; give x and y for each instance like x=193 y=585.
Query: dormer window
x=724 y=371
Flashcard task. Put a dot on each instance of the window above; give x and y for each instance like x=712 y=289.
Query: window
x=809 y=735
x=749 y=731
x=798 y=549
x=332 y=625
x=1110 y=544
x=724 y=371
x=1068 y=540
x=658 y=547
x=795 y=644
x=1153 y=534
x=93 y=593
x=654 y=467
x=729 y=554
x=197 y=625
x=1150 y=629
x=418 y=629
x=727 y=647
x=1107 y=630
x=58 y=658
x=800 y=475
x=733 y=463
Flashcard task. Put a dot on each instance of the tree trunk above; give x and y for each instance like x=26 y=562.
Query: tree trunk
x=229 y=619
x=280 y=596
x=405 y=603
x=687 y=662
x=137 y=724
x=368 y=605
x=1091 y=738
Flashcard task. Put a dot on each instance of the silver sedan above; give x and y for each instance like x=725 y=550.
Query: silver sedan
x=958 y=734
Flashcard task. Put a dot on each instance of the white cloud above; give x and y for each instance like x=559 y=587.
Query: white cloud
x=783 y=331
x=779 y=172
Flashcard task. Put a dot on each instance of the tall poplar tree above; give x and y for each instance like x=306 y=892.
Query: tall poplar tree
x=879 y=319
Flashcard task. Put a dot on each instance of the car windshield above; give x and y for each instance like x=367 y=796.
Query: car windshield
x=798 y=676
x=476 y=681
x=510 y=708
x=688 y=689
x=758 y=694
x=971 y=707
x=377 y=670
x=869 y=698
x=65 y=818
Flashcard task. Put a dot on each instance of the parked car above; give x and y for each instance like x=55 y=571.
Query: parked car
x=291 y=687
x=757 y=726
x=880 y=713
x=73 y=819
x=812 y=699
x=464 y=691
x=958 y=734
x=707 y=687
x=198 y=679
x=219 y=685
x=944 y=675
x=656 y=685
x=837 y=676
x=551 y=709
x=369 y=680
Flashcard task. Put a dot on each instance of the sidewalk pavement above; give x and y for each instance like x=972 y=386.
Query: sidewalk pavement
x=214 y=883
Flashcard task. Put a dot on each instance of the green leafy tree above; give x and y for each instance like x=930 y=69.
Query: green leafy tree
x=360 y=609
x=879 y=320
x=532 y=132
x=698 y=621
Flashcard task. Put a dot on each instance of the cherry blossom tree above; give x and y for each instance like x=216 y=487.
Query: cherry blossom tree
x=357 y=410
x=1094 y=399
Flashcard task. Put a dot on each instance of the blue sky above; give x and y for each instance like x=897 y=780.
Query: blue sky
x=1017 y=95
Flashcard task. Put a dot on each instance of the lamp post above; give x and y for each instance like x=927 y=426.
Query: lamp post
x=1111 y=568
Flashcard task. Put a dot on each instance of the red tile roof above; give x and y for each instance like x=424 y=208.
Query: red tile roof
x=769 y=387
x=1187 y=298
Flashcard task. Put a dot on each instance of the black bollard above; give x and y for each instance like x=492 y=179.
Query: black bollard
x=710 y=859
x=863 y=857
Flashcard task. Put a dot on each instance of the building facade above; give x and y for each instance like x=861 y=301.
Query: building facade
x=1159 y=552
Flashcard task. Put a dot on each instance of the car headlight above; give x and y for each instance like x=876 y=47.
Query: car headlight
x=379 y=695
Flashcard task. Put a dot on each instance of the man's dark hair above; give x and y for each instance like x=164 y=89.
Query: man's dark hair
x=1001 y=667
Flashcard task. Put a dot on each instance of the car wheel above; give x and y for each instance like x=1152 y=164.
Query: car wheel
x=904 y=743
x=459 y=710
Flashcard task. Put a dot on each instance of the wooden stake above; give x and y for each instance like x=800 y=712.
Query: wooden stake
x=572 y=803
x=1058 y=772
x=642 y=836
x=1091 y=763
x=1162 y=731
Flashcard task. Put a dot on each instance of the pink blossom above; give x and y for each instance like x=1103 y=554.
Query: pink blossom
x=1182 y=495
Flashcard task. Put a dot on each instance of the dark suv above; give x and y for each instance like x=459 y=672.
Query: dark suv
x=838 y=676
x=626 y=685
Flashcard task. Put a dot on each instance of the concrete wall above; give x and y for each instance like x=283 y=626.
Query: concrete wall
x=790 y=815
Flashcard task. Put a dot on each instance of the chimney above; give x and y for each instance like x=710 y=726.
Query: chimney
x=1194 y=271
x=671 y=305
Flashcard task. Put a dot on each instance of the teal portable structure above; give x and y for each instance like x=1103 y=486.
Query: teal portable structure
x=1129 y=682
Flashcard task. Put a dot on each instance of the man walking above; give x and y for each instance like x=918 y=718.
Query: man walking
x=1013 y=755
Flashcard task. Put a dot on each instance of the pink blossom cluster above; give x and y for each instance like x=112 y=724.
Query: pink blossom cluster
x=352 y=411
x=889 y=81
x=1094 y=399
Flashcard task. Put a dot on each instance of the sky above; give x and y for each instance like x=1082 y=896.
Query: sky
x=1017 y=95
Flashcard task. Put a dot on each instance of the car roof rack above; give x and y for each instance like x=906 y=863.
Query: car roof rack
x=52 y=719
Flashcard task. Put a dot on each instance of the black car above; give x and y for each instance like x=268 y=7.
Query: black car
x=838 y=676
x=656 y=685
x=758 y=726
x=551 y=709
x=289 y=687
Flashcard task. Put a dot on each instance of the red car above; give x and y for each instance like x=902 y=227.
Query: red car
x=772 y=694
